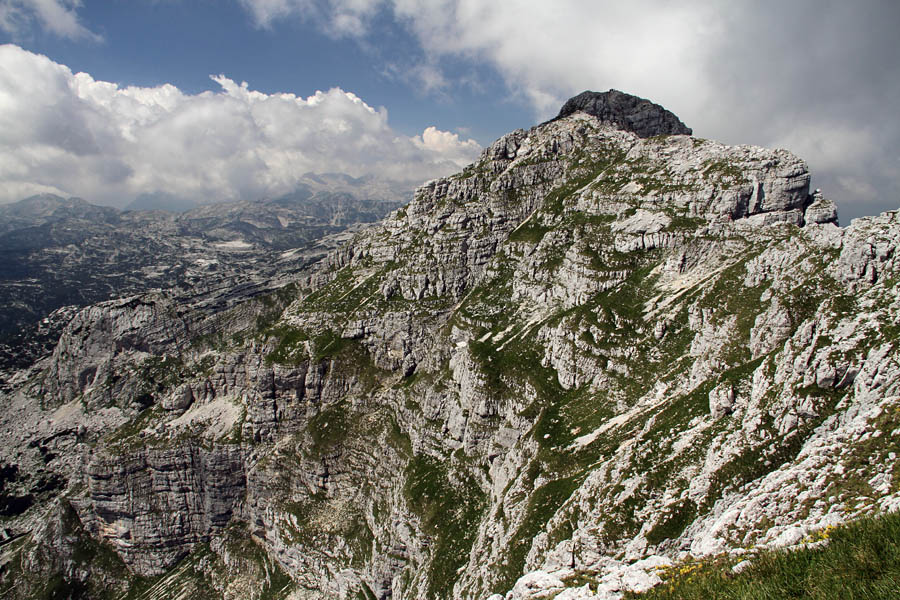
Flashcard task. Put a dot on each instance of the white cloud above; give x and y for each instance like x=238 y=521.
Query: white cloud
x=424 y=78
x=447 y=145
x=57 y=16
x=266 y=11
x=547 y=50
x=338 y=18
x=71 y=134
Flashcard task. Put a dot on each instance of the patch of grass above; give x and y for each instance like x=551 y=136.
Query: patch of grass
x=506 y=369
x=804 y=300
x=129 y=430
x=682 y=222
x=158 y=373
x=542 y=505
x=842 y=303
x=329 y=344
x=673 y=523
x=531 y=232
x=329 y=428
x=622 y=523
x=398 y=439
x=304 y=511
x=236 y=435
x=860 y=562
x=724 y=172
x=490 y=302
x=290 y=348
x=366 y=593
x=327 y=296
x=450 y=504
x=728 y=297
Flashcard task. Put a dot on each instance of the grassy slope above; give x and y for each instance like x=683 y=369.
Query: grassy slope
x=860 y=562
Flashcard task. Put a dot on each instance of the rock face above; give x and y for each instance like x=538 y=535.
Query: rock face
x=152 y=503
x=627 y=112
x=588 y=346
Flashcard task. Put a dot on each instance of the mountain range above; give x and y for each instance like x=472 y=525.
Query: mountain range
x=63 y=254
x=604 y=351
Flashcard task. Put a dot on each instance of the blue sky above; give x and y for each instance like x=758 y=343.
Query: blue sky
x=410 y=89
x=146 y=43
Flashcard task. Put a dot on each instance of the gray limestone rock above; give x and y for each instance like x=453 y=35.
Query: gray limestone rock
x=180 y=399
x=153 y=505
x=721 y=400
x=627 y=112
x=821 y=210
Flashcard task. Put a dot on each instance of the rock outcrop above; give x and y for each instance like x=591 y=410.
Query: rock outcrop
x=627 y=112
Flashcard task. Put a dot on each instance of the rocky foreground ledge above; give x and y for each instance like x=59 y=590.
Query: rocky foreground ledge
x=632 y=342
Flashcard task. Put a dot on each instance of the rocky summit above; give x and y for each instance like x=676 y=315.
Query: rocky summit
x=624 y=111
x=603 y=349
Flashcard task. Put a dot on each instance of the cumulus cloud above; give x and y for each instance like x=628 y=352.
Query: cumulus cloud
x=56 y=16
x=444 y=143
x=818 y=77
x=71 y=134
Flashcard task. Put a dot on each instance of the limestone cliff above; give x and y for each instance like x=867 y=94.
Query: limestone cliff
x=597 y=344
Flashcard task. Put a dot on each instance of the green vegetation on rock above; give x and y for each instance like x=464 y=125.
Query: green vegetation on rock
x=860 y=561
x=449 y=502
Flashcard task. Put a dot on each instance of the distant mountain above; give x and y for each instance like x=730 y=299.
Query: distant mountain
x=323 y=185
x=49 y=208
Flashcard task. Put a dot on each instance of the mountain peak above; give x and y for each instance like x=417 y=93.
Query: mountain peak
x=627 y=112
x=42 y=205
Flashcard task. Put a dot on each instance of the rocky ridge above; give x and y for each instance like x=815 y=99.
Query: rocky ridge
x=588 y=355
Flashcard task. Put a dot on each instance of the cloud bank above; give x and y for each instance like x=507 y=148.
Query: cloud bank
x=818 y=77
x=70 y=134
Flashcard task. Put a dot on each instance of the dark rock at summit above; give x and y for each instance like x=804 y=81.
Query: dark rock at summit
x=627 y=112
